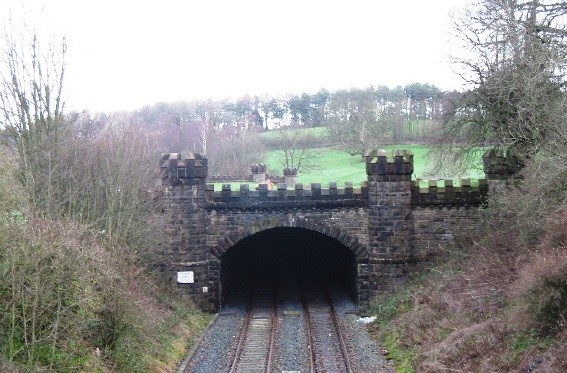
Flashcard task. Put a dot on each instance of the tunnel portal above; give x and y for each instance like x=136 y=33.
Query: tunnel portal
x=294 y=254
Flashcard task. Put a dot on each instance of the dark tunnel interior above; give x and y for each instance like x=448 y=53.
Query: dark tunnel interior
x=286 y=253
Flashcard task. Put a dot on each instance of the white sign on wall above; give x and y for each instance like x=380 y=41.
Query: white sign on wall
x=185 y=277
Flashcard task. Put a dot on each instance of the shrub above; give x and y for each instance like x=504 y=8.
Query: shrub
x=542 y=287
x=44 y=290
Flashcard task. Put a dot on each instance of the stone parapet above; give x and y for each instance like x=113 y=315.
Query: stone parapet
x=445 y=193
x=258 y=172
x=299 y=197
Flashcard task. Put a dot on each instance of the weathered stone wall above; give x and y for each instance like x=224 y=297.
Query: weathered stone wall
x=183 y=187
x=347 y=225
x=439 y=227
x=441 y=212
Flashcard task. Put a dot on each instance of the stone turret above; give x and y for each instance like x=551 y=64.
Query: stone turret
x=183 y=182
x=389 y=215
x=290 y=175
x=258 y=173
x=183 y=168
x=499 y=166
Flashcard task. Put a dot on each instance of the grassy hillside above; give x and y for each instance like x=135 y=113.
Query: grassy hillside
x=317 y=132
x=329 y=164
x=70 y=304
x=332 y=165
x=71 y=301
x=480 y=309
x=326 y=163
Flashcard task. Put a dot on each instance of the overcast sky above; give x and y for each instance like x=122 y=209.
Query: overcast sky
x=126 y=54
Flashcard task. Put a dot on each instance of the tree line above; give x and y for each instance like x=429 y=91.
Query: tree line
x=227 y=130
x=413 y=102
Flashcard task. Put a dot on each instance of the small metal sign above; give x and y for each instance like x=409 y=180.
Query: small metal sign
x=185 y=277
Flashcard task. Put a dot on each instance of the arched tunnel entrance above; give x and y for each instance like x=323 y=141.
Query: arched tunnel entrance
x=295 y=254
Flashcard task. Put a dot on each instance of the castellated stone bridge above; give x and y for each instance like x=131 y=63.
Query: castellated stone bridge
x=372 y=235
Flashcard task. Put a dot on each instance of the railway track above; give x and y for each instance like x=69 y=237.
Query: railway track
x=319 y=338
x=327 y=348
x=255 y=348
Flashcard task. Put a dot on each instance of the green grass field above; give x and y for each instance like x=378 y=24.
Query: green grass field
x=332 y=165
x=319 y=132
x=329 y=164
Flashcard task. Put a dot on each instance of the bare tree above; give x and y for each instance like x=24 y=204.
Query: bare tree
x=232 y=150
x=294 y=153
x=355 y=122
x=515 y=65
x=107 y=179
x=31 y=107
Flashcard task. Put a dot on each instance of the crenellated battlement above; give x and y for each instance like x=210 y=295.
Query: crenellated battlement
x=177 y=167
x=258 y=168
x=300 y=196
x=501 y=163
x=389 y=166
x=449 y=193
x=381 y=166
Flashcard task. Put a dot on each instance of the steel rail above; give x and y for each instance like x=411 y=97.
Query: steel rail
x=252 y=341
x=273 y=332
x=310 y=340
x=335 y=327
x=338 y=330
x=241 y=339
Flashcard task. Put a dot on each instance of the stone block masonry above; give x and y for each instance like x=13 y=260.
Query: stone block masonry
x=390 y=223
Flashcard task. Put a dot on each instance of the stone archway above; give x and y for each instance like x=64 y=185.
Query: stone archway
x=233 y=237
x=345 y=252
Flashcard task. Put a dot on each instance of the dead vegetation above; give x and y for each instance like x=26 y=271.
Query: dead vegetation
x=499 y=305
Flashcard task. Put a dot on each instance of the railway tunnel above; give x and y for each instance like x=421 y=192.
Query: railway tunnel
x=285 y=255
